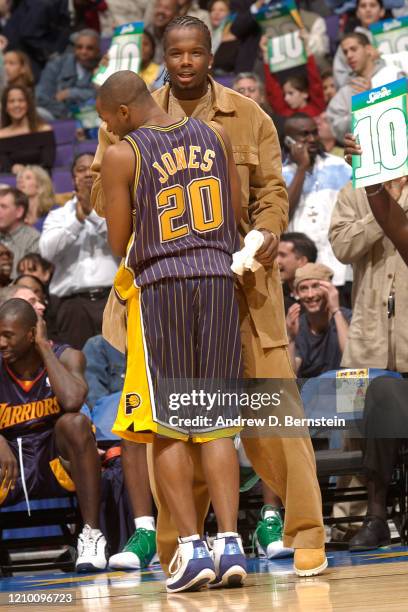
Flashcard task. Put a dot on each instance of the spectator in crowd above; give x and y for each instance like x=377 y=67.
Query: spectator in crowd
x=19 y=237
x=192 y=9
x=6 y=265
x=219 y=11
x=50 y=438
x=37 y=186
x=380 y=283
x=314 y=179
x=24 y=137
x=329 y=85
x=367 y=73
x=119 y=12
x=32 y=282
x=163 y=12
x=295 y=251
x=74 y=239
x=367 y=13
x=23 y=293
x=66 y=81
x=39 y=29
x=250 y=85
x=318 y=336
x=17 y=68
x=149 y=70
x=299 y=93
x=35 y=265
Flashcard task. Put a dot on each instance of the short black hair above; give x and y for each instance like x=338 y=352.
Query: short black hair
x=20 y=199
x=78 y=156
x=359 y=36
x=187 y=21
x=21 y=310
x=302 y=245
x=36 y=258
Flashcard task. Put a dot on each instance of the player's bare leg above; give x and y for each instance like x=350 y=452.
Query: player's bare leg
x=224 y=492
x=140 y=549
x=76 y=443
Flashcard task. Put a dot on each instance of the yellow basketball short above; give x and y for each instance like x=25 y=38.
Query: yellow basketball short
x=139 y=417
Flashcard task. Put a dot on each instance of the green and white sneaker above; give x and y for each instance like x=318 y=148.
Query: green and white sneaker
x=138 y=552
x=268 y=535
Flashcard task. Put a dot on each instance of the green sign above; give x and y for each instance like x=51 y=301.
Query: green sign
x=279 y=18
x=391 y=35
x=124 y=52
x=286 y=51
x=379 y=122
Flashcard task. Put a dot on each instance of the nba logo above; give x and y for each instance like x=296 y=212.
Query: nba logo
x=132 y=401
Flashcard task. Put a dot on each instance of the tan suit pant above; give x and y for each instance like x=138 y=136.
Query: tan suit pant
x=286 y=465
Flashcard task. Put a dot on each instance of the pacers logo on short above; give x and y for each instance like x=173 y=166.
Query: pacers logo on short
x=132 y=401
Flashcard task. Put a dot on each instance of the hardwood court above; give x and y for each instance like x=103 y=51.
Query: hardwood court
x=359 y=582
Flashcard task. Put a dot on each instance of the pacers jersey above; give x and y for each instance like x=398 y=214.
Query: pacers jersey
x=27 y=405
x=183 y=220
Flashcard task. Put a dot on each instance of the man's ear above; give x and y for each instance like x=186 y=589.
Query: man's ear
x=303 y=260
x=20 y=212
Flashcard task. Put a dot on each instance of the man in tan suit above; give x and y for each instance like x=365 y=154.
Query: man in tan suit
x=286 y=464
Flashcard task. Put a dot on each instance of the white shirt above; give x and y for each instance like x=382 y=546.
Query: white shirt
x=79 y=251
x=313 y=212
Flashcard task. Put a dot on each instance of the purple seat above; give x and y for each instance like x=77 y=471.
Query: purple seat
x=62 y=180
x=64 y=155
x=64 y=130
x=105 y=44
x=8 y=179
x=86 y=146
x=225 y=79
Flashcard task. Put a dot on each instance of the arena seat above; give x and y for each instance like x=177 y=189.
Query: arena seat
x=64 y=131
x=62 y=180
x=8 y=179
x=322 y=396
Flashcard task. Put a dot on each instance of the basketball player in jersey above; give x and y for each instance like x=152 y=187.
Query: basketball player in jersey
x=46 y=447
x=172 y=190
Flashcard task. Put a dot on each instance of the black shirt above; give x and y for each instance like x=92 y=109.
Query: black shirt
x=319 y=352
x=35 y=148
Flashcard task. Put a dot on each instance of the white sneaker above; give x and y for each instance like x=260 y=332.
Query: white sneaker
x=91 y=551
x=229 y=562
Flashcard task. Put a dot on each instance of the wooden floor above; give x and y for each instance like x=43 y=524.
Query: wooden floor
x=375 y=581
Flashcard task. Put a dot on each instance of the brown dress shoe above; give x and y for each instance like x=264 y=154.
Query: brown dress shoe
x=309 y=561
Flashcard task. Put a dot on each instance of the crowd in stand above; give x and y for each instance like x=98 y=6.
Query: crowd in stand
x=344 y=284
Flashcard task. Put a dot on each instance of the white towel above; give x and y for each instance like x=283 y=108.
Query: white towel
x=245 y=258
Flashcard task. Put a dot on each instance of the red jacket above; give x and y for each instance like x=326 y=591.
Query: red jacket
x=274 y=92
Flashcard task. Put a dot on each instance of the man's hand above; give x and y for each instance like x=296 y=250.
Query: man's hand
x=62 y=95
x=267 y=253
x=8 y=464
x=300 y=155
x=83 y=193
x=292 y=321
x=351 y=147
x=360 y=84
x=396 y=186
x=41 y=336
x=332 y=296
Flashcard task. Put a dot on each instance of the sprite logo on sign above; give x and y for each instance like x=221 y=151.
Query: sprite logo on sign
x=124 y=52
x=379 y=122
x=391 y=35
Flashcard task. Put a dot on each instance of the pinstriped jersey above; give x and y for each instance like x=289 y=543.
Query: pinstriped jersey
x=27 y=405
x=183 y=219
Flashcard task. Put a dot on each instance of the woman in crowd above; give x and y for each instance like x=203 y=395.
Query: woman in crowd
x=298 y=93
x=6 y=265
x=35 y=182
x=17 y=69
x=24 y=137
x=149 y=70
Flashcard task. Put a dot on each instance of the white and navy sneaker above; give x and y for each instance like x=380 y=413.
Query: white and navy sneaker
x=91 y=551
x=191 y=567
x=230 y=562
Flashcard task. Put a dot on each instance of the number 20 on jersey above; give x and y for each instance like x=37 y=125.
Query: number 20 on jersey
x=379 y=122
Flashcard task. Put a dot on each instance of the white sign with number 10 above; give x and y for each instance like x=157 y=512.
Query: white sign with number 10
x=379 y=122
